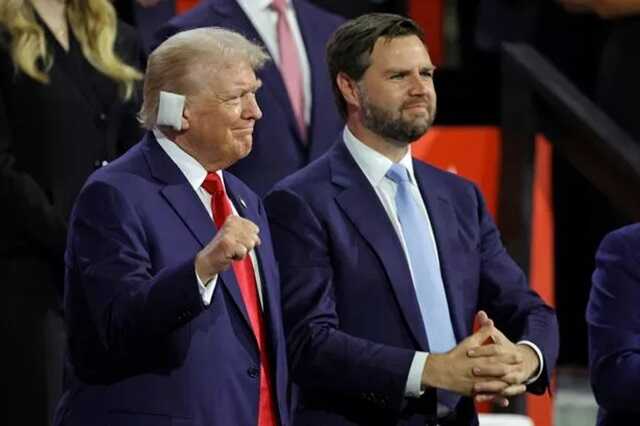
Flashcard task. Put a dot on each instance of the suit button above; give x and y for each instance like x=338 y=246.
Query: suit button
x=253 y=372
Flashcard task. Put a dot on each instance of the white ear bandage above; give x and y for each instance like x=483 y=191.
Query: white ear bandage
x=170 y=110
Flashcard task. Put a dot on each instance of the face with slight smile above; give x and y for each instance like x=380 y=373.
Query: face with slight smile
x=222 y=116
x=396 y=93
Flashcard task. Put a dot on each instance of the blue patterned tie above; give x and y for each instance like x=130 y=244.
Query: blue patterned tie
x=426 y=271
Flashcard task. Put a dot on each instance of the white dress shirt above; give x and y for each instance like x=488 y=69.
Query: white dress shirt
x=264 y=20
x=195 y=174
x=375 y=166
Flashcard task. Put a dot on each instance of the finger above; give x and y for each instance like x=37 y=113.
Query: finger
x=483 y=319
x=492 y=386
x=499 y=370
x=496 y=399
x=501 y=401
x=479 y=337
x=484 y=397
x=496 y=354
x=485 y=350
x=239 y=252
x=499 y=337
x=513 y=390
x=513 y=378
x=247 y=224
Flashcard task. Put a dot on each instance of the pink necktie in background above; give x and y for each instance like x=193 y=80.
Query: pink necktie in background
x=290 y=64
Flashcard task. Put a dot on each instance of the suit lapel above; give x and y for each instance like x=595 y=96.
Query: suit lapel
x=177 y=191
x=186 y=204
x=360 y=203
x=445 y=230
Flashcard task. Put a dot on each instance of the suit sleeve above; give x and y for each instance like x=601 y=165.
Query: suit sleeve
x=109 y=263
x=321 y=356
x=613 y=320
x=516 y=309
x=25 y=205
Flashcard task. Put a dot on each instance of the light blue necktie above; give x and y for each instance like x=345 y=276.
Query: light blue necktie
x=426 y=275
x=424 y=264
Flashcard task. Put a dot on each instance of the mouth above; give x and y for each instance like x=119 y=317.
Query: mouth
x=244 y=131
x=420 y=105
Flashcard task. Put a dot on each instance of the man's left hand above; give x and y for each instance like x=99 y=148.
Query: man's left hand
x=513 y=365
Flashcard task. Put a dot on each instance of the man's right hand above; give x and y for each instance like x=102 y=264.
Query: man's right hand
x=236 y=238
x=454 y=370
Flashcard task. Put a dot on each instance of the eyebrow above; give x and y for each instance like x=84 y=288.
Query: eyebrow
x=231 y=93
x=406 y=70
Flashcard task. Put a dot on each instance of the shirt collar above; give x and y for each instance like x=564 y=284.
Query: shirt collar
x=373 y=164
x=189 y=166
x=256 y=5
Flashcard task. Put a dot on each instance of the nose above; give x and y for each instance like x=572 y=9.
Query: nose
x=419 y=85
x=251 y=109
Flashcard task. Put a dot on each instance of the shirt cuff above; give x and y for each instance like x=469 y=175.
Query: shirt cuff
x=206 y=290
x=540 y=360
x=413 y=389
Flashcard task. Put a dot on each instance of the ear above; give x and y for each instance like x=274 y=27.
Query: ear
x=186 y=116
x=349 y=89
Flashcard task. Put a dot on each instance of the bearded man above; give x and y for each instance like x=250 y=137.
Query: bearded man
x=386 y=261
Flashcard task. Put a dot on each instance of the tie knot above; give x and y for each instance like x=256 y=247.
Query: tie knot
x=398 y=173
x=279 y=6
x=213 y=184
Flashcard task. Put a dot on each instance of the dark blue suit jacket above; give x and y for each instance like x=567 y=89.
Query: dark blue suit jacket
x=148 y=20
x=351 y=315
x=278 y=149
x=614 y=328
x=144 y=350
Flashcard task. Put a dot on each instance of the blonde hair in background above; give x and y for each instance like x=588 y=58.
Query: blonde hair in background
x=93 y=22
x=184 y=60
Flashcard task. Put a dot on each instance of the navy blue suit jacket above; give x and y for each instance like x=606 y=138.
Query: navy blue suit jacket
x=278 y=148
x=351 y=315
x=149 y=19
x=613 y=318
x=144 y=349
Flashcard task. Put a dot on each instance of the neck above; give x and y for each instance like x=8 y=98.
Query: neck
x=52 y=12
x=50 y=4
x=392 y=149
x=185 y=144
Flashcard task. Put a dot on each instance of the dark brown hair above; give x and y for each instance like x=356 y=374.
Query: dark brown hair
x=349 y=49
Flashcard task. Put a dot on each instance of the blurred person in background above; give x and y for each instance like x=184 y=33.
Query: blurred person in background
x=146 y=16
x=614 y=327
x=68 y=83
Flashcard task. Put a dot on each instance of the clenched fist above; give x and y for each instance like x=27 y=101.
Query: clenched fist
x=236 y=238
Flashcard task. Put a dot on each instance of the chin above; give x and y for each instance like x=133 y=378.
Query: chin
x=244 y=147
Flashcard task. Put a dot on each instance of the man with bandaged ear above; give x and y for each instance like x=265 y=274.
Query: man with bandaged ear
x=172 y=290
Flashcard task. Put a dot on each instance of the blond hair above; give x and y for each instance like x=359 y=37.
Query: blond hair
x=93 y=23
x=177 y=64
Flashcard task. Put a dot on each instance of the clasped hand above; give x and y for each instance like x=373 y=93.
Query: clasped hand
x=486 y=365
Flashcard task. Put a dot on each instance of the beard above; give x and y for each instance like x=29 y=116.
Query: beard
x=391 y=124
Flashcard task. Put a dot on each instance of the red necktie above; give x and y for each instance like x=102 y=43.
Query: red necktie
x=290 y=64
x=221 y=209
x=183 y=6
